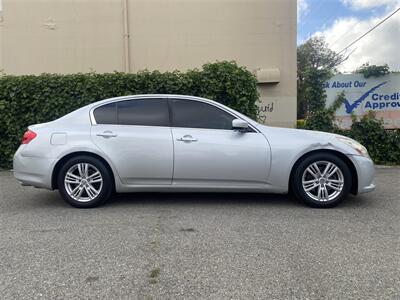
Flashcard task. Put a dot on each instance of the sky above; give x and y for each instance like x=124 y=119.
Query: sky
x=340 y=22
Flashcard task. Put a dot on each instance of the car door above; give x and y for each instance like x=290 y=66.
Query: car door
x=207 y=152
x=136 y=137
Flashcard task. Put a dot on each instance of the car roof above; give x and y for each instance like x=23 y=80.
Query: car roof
x=144 y=96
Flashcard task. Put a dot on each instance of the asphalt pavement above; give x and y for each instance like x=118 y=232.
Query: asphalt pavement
x=196 y=246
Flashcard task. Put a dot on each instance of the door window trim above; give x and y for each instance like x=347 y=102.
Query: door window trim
x=167 y=98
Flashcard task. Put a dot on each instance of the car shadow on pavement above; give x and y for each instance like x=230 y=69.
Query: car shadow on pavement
x=44 y=198
x=272 y=200
x=201 y=199
x=53 y=199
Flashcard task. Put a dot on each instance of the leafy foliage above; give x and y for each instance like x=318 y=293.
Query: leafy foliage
x=316 y=63
x=373 y=70
x=323 y=119
x=383 y=145
x=26 y=100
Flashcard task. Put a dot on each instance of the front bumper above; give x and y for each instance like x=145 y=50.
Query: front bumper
x=365 y=172
x=32 y=170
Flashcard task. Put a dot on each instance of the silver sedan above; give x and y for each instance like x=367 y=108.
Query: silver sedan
x=174 y=143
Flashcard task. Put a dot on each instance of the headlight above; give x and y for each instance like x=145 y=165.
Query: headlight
x=355 y=145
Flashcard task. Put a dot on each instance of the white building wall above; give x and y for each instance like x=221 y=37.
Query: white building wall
x=61 y=36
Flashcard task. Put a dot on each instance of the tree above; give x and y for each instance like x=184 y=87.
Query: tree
x=316 y=63
x=372 y=70
x=324 y=119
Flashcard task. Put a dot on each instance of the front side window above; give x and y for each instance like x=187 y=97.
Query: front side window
x=195 y=114
x=145 y=112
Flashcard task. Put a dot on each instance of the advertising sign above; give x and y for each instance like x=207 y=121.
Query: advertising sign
x=378 y=94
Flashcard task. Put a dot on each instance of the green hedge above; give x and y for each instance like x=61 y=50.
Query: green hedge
x=383 y=145
x=26 y=100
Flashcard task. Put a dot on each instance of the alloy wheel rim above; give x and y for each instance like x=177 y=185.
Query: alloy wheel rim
x=83 y=182
x=323 y=181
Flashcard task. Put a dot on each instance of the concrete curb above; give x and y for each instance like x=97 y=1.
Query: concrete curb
x=386 y=167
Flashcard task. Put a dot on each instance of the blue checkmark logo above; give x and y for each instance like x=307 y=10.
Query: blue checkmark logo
x=350 y=107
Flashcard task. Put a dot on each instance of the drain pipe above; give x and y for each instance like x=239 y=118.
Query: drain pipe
x=127 y=60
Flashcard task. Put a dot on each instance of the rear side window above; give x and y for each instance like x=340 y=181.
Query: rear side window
x=195 y=114
x=106 y=114
x=146 y=112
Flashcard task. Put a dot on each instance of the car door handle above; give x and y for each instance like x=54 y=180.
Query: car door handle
x=107 y=134
x=186 y=138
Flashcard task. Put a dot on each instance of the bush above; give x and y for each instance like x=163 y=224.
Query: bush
x=301 y=123
x=324 y=119
x=373 y=70
x=26 y=100
x=383 y=145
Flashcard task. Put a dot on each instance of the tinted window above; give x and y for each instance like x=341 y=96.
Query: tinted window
x=147 y=112
x=106 y=114
x=194 y=114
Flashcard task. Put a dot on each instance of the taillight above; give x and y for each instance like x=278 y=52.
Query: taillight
x=28 y=136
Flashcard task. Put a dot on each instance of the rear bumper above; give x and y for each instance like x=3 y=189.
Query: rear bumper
x=35 y=171
x=365 y=173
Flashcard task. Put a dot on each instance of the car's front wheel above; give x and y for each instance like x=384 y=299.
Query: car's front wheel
x=84 y=181
x=322 y=180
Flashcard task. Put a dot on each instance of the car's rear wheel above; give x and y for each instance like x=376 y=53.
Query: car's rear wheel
x=322 y=180
x=84 y=181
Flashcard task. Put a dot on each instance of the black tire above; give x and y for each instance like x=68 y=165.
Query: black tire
x=297 y=185
x=105 y=190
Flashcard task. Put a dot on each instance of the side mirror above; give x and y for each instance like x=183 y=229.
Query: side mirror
x=238 y=124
